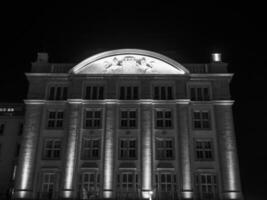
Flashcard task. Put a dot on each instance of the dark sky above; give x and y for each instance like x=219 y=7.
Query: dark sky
x=71 y=32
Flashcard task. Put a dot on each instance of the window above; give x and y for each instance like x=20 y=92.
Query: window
x=2 y=128
x=163 y=119
x=128 y=149
x=206 y=185
x=52 y=149
x=128 y=118
x=58 y=93
x=129 y=93
x=94 y=92
x=93 y=119
x=203 y=150
x=127 y=181
x=164 y=149
x=166 y=186
x=48 y=186
x=163 y=93
x=20 y=129
x=201 y=120
x=198 y=93
x=55 y=119
x=90 y=182
x=90 y=149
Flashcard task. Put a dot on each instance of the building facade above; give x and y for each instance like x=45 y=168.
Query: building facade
x=128 y=124
x=11 y=128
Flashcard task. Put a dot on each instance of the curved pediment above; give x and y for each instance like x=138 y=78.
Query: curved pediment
x=128 y=61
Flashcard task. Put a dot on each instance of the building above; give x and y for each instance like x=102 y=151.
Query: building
x=11 y=126
x=128 y=124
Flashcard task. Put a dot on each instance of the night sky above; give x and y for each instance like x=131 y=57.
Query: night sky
x=73 y=32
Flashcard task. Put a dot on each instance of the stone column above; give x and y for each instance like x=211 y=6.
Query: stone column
x=231 y=187
x=146 y=148
x=26 y=168
x=184 y=150
x=71 y=148
x=109 y=150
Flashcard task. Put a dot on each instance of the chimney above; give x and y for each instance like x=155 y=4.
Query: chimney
x=42 y=57
x=216 y=57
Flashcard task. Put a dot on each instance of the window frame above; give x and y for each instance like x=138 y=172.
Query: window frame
x=128 y=148
x=55 y=120
x=97 y=87
x=52 y=149
x=163 y=87
x=90 y=149
x=129 y=92
x=203 y=150
x=128 y=119
x=93 y=119
x=164 y=119
x=57 y=96
x=164 y=149
x=202 y=120
x=213 y=185
x=199 y=86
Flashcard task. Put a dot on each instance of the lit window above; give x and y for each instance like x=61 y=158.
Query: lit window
x=58 y=93
x=206 y=186
x=91 y=149
x=201 y=120
x=128 y=118
x=163 y=119
x=198 y=93
x=2 y=128
x=55 y=119
x=203 y=150
x=128 y=149
x=94 y=92
x=164 y=149
x=48 y=185
x=127 y=184
x=163 y=93
x=90 y=182
x=52 y=149
x=166 y=185
x=129 y=93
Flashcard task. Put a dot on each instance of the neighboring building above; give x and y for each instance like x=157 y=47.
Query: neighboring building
x=128 y=124
x=11 y=128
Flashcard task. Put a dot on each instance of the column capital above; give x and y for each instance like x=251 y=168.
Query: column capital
x=34 y=101
x=223 y=102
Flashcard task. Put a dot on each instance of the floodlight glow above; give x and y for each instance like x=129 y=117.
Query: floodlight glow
x=216 y=57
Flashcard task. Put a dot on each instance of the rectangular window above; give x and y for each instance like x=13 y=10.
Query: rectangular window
x=55 y=119
x=52 y=149
x=17 y=150
x=90 y=182
x=2 y=128
x=166 y=186
x=164 y=149
x=91 y=149
x=198 y=93
x=129 y=92
x=163 y=119
x=94 y=92
x=203 y=150
x=127 y=183
x=48 y=186
x=201 y=119
x=58 y=93
x=93 y=119
x=128 y=149
x=128 y=118
x=163 y=93
x=206 y=185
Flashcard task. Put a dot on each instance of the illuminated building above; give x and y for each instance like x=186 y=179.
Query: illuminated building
x=128 y=124
x=11 y=128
